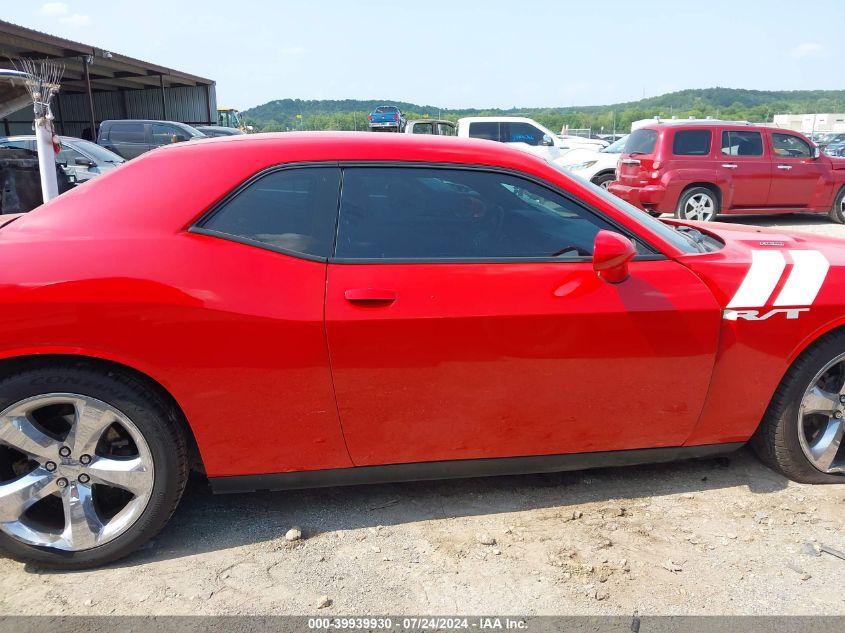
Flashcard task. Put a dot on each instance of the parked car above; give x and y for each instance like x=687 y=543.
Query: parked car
x=698 y=170
x=830 y=138
x=599 y=167
x=386 y=119
x=132 y=137
x=835 y=149
x=20 y=186
x=217 y=130
x=523 y=133
x=419 y=323
x=430 y=126
x=83 y=159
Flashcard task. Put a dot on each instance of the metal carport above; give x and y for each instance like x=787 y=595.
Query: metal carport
x=100 y=84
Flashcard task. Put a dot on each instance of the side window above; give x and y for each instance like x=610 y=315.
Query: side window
x=691 y=143
x=485 y=130
x=445 y=130
x=431 y=214
x=788 y=146
x=423 y=128
x=28 y=145
x=290 y=209
x=742 y=143
x=167 y=134
x=68 y=156
x=127 y=133
x=521 y=133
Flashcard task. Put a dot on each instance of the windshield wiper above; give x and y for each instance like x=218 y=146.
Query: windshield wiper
x=693 y=235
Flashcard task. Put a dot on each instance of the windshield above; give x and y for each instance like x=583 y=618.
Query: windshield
x=616 y=147
x=668 y=233
x=99 y=154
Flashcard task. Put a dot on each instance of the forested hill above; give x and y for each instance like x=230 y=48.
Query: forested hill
x=725 y=103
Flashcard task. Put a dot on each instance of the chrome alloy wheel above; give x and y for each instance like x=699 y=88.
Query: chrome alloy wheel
x=820 y=418
x=700 y=206
x=75 y=473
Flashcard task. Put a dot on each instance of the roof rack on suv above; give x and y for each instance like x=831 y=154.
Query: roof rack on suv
x=691 y=121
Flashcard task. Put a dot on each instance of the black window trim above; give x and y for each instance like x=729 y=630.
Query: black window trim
x=198 y=228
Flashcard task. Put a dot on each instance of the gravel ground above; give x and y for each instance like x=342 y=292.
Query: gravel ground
x=720 y=536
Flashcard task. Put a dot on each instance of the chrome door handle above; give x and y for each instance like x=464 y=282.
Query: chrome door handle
x=729 y=165
x=630 y=161
x=787 y=167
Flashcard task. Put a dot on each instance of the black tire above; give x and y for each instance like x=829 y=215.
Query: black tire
x=603 y=180
x=776 y=440
x=161 y=429
x=837 y=211
x=691 y=193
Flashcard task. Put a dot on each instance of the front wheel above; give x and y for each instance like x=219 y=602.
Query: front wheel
x=92 y=465
x=801 y=434
x=697 y=203
x=603 y=180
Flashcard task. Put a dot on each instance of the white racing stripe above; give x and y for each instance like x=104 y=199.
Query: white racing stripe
x=806 y=279
x=760 y=281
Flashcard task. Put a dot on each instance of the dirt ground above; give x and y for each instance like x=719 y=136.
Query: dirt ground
x=718 y=536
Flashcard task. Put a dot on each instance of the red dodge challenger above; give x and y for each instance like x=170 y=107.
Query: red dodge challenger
x=304 y=310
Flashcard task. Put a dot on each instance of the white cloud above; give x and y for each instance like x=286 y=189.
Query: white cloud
x=806 y=50
x=54 y=8
x=76 y=20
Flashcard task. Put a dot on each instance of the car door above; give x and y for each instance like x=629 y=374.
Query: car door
x=262 y=339
x=164 y=134
x=455 y=332
x=128 y=139
x=745 y=164
x=795 y=171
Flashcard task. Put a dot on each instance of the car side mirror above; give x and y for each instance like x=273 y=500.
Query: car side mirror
x=83 y=162
x=611 y=254
x=816 y=152
x=547 y=141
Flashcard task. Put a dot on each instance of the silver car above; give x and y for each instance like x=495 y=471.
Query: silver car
x=80 y=158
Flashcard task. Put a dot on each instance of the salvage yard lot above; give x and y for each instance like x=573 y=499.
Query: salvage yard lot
x=725 y=536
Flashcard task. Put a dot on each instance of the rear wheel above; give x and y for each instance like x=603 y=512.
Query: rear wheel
x=698 y=203
x=92 y=465
x=802 y=433
x=603 y=180
x=837 y=211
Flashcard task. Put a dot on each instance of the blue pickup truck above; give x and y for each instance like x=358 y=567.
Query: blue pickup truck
x=386 y=119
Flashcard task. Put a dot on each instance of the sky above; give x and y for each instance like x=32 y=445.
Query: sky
x=493 y=53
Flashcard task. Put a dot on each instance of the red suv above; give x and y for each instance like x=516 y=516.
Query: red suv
x=698 y=169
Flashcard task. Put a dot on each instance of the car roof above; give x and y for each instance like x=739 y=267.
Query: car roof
x=112 y=121
x=709 y=123
x=31 y=137
x=495 y=119
x=430 y=121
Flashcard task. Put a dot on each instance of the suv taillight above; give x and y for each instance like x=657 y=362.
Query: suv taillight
x=370 y=118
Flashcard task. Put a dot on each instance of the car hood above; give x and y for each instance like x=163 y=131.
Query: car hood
x=836 y=162
x=763 y=268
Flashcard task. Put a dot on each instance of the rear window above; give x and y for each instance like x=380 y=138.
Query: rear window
x=641 y=142
x=692 y=142
x=486 y=130
x=383 y=109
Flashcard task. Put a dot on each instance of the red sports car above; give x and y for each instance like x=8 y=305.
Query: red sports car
x=321 y=309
